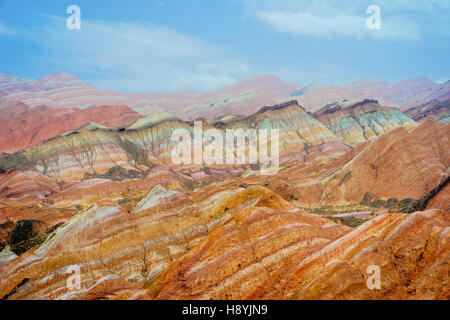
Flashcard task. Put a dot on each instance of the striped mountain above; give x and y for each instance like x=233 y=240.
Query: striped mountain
x=96 y=155
x=357 y=122
x=434 y=110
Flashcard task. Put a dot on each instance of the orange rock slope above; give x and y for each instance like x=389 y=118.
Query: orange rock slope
x=230 y=242
x=302 y=259
x=134 y=245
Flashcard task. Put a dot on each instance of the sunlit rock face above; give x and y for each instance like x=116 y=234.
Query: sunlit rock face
x=411 y=253
x=244 y=253
x=229 y=242
x=305 y=257
x=434 y=110
x=357 y=122
x=316 y=167
x=302 y=138
x=135 y=246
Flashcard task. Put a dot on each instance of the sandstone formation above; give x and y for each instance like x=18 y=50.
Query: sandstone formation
x=302 y=262
x=97 y=152
x=136 y=246
x=238 y=257
x=391 y=171
x=23 y=127
x=434 y=110
x=359 y=187
x=228 y=242
x=357 y=122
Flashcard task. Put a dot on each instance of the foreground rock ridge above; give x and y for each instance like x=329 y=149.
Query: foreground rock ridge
x=93 y=188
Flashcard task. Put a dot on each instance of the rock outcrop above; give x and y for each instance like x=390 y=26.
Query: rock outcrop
x=397 y=166
x=434 y=110
x=357 y=122
x=411 y=254
x=242 y=262
x=92 y=194
x=234 y=260
x=231 y=242
x=136 y=246
x=94 y=151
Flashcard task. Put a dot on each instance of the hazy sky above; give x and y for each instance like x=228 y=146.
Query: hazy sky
x=168 y=45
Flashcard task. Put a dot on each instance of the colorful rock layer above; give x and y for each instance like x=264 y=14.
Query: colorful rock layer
x=106 y=200
x=357 y=122
x=434 y=110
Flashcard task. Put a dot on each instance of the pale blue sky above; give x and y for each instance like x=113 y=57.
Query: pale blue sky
x=168 y=45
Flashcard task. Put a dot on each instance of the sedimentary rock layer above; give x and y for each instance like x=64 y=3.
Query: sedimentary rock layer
x=401 y=94
x=410 y=251
x=92 y=151
x=227 y=241
x=23 y=127
x=357 y=122
x=434 y=110
x=135 y=246
x=242 y=262
x=397 y=166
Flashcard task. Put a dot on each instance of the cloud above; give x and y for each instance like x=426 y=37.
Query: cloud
x=340 y=24
x=4 y=30
x=442 y=80
x=401 y=20
x=138 y=57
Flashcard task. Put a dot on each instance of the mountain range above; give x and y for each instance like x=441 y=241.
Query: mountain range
x=86 y=180
x=64 y=90
x=60 y=103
